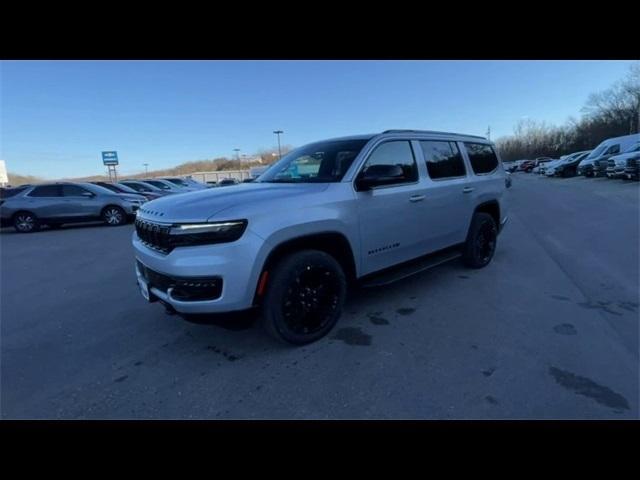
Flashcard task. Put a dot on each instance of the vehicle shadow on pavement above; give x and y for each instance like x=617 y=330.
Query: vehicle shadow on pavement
x=234 y=321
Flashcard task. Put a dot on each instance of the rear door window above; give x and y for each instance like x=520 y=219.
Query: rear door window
x=443 y=159
x=46 y=191
x=482 y=157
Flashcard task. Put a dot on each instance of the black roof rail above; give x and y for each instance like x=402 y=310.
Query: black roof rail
x=433 y=131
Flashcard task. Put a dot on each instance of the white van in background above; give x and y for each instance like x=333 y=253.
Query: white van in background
x=595 y=164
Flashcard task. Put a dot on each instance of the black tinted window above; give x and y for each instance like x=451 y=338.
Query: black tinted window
x=443 y=159
x=72 y=191
x=482 y=157
x=396 y=153
x=45 y=191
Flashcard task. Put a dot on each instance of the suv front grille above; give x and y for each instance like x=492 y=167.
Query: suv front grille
x=184 y=288
x=154 y=235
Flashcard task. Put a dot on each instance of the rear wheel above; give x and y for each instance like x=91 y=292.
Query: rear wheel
x=304 y=298
x=481 y=241
x=114 y=216
x=26 y=222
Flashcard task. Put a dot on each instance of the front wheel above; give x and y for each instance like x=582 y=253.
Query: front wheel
x=481 y=241
x=304 y=298
x=114 y=216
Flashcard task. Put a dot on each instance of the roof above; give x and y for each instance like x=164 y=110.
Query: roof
x=433 y=132
x=400 y=131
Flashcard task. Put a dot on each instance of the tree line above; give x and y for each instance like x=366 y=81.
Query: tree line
x=610 y=113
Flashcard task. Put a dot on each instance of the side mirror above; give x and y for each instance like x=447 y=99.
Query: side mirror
x=378 y=175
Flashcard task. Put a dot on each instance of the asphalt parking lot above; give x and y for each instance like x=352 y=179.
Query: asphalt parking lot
x=548 y=330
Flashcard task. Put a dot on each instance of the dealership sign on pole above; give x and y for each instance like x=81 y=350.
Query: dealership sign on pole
x=110 y=158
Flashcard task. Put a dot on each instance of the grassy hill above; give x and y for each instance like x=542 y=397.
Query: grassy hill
x=187 y=168
x=15 y=179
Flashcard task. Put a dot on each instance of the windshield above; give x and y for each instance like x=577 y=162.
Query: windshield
x=158 y=184
x=116 y=188
x=96 y=188
x=138 y=187
x=10 y=192
x=597 y=152
x=177 y=181
x=322 y=162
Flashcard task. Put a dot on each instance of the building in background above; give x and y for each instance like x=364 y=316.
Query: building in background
x=4 y=178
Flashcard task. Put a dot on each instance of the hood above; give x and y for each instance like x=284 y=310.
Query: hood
x=591 y=161
x=623 y=157
x=201 y=205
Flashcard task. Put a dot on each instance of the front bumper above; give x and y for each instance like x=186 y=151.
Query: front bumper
x=615 y=173
x=235 y=264
x=503 y=222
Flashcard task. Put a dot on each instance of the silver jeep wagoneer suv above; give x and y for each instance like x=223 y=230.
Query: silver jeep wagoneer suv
x=367 y=208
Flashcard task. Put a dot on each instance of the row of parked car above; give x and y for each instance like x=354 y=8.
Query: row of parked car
x=617 y=157
x=29 y=207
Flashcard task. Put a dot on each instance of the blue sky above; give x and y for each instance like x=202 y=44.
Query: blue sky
x=57 y=116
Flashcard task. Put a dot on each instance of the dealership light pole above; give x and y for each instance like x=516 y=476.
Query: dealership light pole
x=237 y=150
x=146 y=169
x=278 y=132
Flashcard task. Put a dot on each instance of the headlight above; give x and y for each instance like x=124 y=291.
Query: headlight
x=186 y=234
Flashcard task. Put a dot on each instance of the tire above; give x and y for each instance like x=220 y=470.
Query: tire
x=480 y=245
x=114 y=216
x=26 y=222
x=304 y=297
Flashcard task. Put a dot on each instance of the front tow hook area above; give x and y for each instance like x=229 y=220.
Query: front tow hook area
x=168 y=309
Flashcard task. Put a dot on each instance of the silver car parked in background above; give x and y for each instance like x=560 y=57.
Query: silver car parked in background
x=55 y=204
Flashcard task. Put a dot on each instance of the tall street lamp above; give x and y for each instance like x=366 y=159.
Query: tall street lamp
x=237 y=150
x=146 y=169
x=278 y=132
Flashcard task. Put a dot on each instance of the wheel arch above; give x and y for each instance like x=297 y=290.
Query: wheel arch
x=492 y=207
x=24 y=210
x=333 y=243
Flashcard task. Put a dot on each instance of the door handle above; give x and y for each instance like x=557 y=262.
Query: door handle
x=417 y=198
x=467 y=190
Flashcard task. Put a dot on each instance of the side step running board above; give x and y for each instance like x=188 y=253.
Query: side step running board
x=406 y=270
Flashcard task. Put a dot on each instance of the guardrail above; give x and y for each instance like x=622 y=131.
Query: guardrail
x=219 y=175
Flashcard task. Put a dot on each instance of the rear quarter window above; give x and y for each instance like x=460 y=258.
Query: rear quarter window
x=482 y=157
